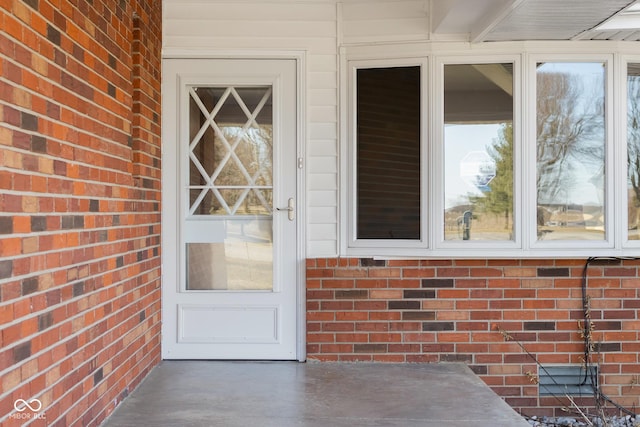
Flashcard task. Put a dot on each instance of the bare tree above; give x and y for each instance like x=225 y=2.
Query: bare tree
x=633 y=146
x=568 y=129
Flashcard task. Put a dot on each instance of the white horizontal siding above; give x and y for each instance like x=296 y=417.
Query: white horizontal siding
x=323 y=113
x=243 y=28
x=323 y=130
x=327 y=232
x=385 y=21
x=384 y=30
x=322 y=97
x=239 y=44
x=250 y=25
x=327 y=164
x=320 y=62
x=322 y=181
x=322 y=247
x=322 y=80
x=257 y=10
x=322 y=148
x=322 y=198
x=389 y=10
x=321 y=214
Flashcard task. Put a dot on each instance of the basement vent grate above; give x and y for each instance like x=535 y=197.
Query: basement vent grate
x=567 y=380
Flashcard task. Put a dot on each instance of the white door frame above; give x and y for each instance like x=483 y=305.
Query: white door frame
x=169 y=129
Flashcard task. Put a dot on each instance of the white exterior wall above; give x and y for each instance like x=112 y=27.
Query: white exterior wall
x=363 y=22
x=318 y=28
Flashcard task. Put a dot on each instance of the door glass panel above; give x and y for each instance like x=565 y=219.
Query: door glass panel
x=478 y=151
x=241 y=261
x=230 y=149
x=230 y=188
x=570 y=151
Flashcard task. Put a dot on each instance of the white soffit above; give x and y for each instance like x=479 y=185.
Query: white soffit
x=616 y=35
x=552 y=19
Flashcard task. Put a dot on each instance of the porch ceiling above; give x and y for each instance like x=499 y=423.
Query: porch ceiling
x=513 y=20
x=508 y=20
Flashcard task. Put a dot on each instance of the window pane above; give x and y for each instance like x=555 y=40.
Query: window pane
x=633 y=147
x=478 y=151
x=570 y=151
x=388 y=153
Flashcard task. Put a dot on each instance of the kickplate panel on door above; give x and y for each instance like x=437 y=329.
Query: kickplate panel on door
x=227 y=324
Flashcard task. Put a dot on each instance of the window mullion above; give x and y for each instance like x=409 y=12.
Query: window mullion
x=427 y=139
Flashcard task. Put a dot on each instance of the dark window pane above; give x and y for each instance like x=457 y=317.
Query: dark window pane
x=388 y=153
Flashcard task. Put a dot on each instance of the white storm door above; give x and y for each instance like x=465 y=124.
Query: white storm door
x=229 y=209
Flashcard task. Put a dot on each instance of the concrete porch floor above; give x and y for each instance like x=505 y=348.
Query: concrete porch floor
x=270 y=394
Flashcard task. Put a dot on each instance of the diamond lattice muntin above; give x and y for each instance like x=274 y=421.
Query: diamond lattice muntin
x=230 y=150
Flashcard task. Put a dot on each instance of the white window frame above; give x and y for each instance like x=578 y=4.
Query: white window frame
x=437 y=165
x=354 y=242
x=524 y=55
x=531 y=205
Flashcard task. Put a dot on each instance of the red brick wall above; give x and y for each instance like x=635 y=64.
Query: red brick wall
x=451 y=311
x=79 y=205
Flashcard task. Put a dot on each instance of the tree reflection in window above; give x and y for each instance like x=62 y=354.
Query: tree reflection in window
x=478 y=151
x=633 y=150
x=570 y=151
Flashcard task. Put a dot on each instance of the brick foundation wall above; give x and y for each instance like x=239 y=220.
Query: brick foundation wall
x=79 y=205
x=421 y=311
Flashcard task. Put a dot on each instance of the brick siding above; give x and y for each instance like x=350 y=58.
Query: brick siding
x=421 y=311
x=79 y=205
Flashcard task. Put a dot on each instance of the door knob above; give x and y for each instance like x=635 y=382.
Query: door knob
x=291 y=209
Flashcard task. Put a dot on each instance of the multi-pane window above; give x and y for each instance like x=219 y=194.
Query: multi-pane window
x=570 y=150
x=478 y=151
x=519 y=156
